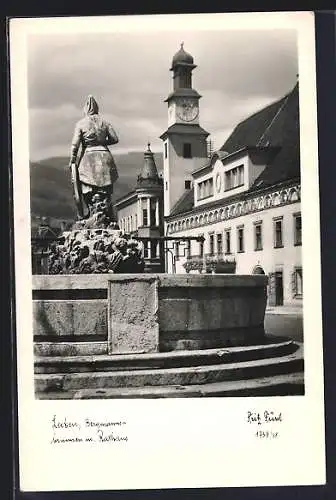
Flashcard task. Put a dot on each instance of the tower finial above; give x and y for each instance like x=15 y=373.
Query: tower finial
x=148 y=145
x=182 y=43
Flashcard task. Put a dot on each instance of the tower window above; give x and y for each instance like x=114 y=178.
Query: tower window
x=187 y=184
x=166 y=185
x=165 y=150
x=152 y=221
x=187 y=150
x=144 y=217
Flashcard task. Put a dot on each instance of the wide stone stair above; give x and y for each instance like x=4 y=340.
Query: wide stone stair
x=273 y=368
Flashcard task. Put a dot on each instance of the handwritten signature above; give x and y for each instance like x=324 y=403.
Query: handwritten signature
x=265 y=417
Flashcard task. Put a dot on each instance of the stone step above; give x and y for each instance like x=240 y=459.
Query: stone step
x=62 y=349
x=258 y=368
x=280 y=385
x=175 y=359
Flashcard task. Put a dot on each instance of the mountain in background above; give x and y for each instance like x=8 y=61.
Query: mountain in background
x=51 y=189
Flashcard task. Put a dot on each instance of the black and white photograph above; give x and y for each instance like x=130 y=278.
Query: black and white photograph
x=173 y=266
x=169 y=170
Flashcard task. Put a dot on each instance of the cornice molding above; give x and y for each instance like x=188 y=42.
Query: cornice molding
x=238 y=208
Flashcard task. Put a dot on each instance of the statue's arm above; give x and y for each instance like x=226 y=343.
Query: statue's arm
x=75 y=143
x=112 y=137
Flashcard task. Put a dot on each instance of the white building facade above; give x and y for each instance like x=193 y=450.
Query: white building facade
x=261 y=234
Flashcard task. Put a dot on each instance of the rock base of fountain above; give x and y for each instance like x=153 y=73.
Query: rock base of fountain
x=95 y=246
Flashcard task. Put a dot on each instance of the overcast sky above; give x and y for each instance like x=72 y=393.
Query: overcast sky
x=238 y=72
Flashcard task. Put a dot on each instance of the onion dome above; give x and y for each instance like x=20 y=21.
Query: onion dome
x=182 y=57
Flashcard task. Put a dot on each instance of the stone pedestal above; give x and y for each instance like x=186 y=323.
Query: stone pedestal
x=133 y=315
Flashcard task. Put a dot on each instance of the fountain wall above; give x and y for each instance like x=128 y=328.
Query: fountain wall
x=136 y=313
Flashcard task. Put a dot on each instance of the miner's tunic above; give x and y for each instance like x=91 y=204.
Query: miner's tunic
x=96 y=166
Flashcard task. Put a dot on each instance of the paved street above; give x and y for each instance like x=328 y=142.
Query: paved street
x=284 y=325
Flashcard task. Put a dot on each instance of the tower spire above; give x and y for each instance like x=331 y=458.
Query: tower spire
x=149 y=173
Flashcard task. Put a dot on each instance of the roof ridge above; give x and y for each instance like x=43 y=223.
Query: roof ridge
x=281 y=107
x=273 y=103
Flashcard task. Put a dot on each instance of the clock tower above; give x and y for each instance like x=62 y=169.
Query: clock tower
x=184 y=141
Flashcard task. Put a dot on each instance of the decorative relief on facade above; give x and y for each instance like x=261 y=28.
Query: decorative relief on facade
x=280 y=197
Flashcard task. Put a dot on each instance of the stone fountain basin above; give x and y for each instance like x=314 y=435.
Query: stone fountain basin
x=143 y=313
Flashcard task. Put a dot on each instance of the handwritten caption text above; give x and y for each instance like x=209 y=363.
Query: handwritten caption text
x=88 y=430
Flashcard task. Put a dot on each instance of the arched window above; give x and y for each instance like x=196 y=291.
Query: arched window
x=258 y=270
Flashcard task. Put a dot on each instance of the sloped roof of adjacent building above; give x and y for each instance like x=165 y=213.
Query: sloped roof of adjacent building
x=277 y=125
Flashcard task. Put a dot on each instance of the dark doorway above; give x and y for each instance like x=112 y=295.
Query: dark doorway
x=278 y=288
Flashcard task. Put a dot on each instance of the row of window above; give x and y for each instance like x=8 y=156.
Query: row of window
x=151 y=250
x=205 y=189
x=149 y=219
x=187 y=185
x=129 y=224
x=234 y=178
x=224 y=245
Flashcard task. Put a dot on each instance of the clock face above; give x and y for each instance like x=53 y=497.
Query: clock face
x=187 y=110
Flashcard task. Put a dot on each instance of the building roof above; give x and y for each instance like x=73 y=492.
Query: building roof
x=184 y=204
x=183 y=92
x=181 y=128
x=126 y=197
x=149 y=171
x=147 y=179
x=182 y=57
x=275 y=126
